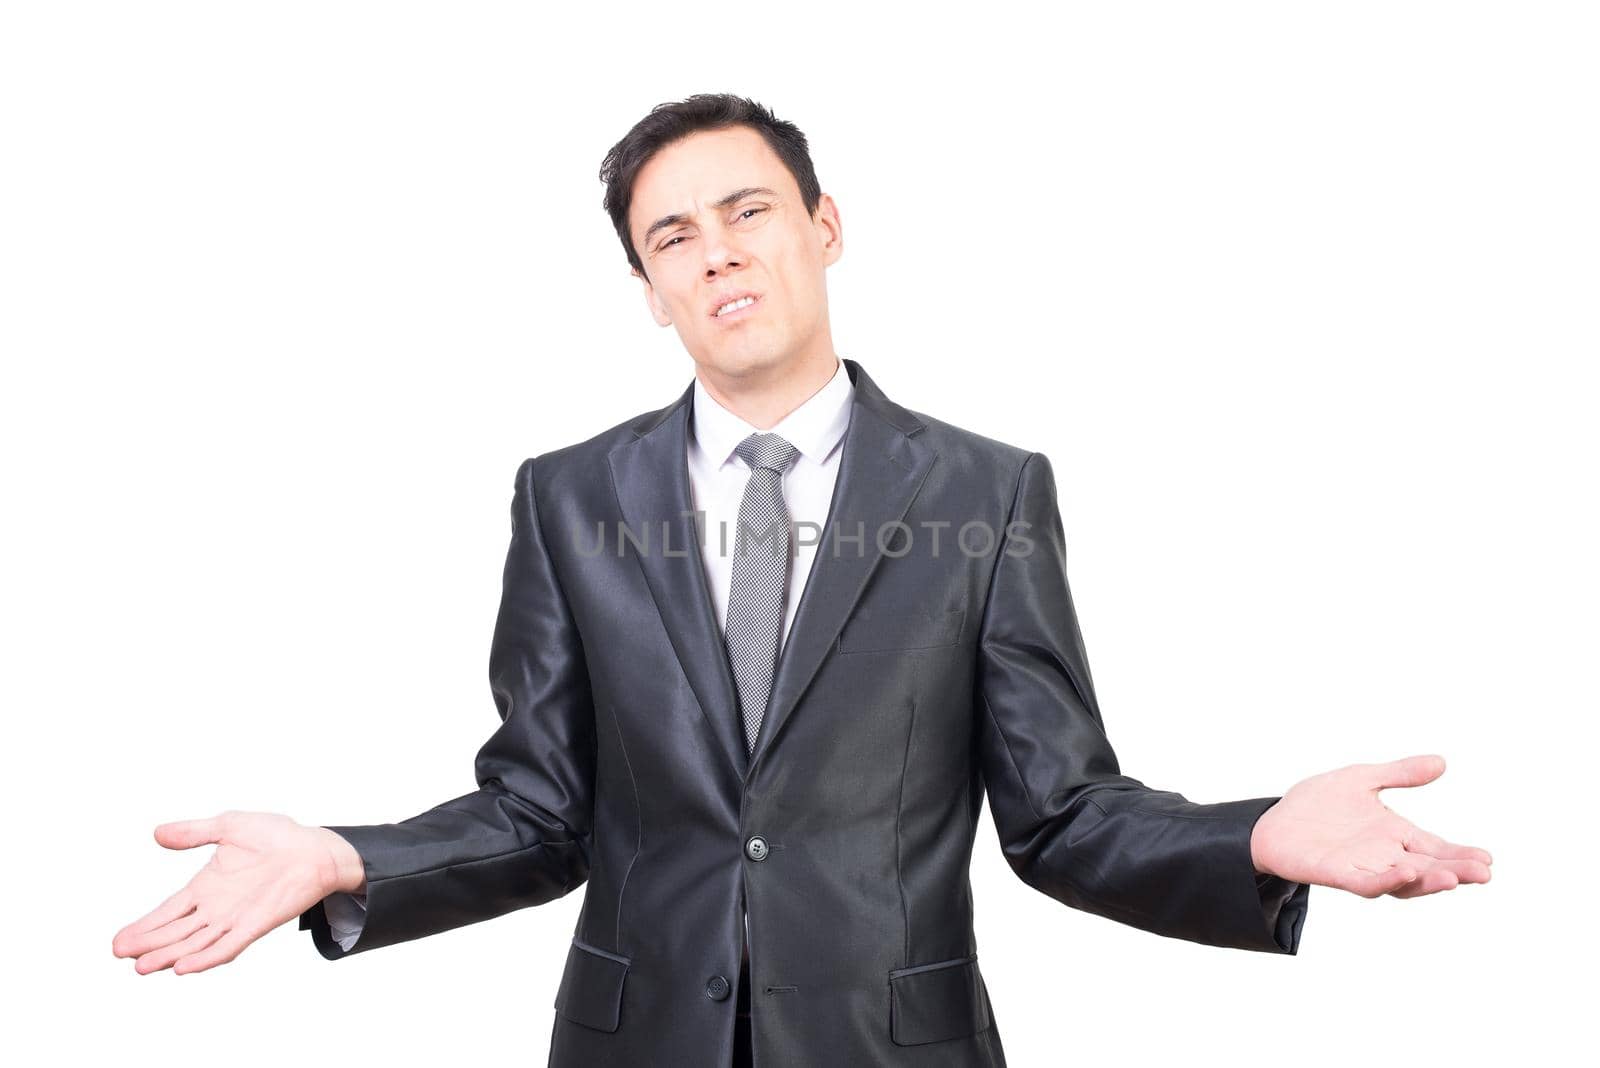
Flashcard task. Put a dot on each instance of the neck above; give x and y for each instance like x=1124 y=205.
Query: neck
x=764 y=396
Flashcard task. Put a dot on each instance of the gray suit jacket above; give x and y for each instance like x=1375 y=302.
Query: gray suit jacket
x=927 y=664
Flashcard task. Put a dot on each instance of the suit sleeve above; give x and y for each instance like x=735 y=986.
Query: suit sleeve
x=1070 y=824
x=522 y=838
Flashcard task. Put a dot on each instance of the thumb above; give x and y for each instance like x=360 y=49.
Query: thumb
x=186 y=834
x=1408 y=771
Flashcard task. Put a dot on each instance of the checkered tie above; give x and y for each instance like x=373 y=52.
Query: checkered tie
x=760 y=577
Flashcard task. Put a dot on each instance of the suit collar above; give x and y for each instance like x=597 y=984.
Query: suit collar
x=866 y=394
x=882 y=467
x=814 y=428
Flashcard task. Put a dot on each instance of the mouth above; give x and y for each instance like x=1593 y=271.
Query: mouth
x=737 y=308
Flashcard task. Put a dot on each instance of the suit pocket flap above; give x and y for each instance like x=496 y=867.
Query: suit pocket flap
x=591 y=987
x=935 y=1002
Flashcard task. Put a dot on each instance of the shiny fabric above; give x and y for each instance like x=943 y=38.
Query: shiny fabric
x=919 y=673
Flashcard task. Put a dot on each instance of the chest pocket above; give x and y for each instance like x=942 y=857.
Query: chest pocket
x=882 y=630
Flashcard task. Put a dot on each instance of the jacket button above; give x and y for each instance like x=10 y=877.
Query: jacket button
x=756 y=848
x=717 y=988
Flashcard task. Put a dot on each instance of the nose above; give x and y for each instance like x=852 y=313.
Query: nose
x=722 y=256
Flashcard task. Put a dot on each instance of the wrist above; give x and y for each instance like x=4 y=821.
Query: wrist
x=1257 y=858
x=346 y=871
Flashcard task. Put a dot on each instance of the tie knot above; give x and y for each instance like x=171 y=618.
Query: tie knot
x=770 y=451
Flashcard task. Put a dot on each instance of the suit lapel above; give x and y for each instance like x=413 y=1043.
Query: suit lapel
x=880 y=471
x=651 y=477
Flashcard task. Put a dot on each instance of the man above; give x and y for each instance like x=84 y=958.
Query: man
x=759 y=655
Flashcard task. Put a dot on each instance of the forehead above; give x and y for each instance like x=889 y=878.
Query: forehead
x=689 y=174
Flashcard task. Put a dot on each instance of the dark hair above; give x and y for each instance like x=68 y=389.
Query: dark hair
x=676 y=120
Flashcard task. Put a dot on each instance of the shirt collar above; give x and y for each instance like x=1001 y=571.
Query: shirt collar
x=814 y=428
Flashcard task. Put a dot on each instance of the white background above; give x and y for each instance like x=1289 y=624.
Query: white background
x=1298 y=298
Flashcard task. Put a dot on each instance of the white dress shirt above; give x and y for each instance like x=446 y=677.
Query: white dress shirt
x=717 y=478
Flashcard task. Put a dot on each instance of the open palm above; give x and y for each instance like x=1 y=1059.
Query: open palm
x=266 y=869
x=1333 y=830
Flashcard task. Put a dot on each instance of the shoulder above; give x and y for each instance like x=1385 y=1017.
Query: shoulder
x=582 y=462
x=997 y=461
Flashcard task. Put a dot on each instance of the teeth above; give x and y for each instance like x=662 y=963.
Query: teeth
x=735 y=305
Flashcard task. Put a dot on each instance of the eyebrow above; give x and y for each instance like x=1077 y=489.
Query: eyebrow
x=726 y=202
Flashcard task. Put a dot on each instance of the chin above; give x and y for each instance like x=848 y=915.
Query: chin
x=740 y=360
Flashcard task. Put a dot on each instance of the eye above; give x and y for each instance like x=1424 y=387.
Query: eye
x=747 y=211
x=670 y=243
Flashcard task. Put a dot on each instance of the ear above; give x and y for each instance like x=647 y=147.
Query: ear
x=658 y=311
x=829 y=229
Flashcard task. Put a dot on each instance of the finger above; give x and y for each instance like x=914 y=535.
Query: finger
x=1408 y=771
x=1466 y=870
x=162 y=914
x=186 y=834
x=158 y=959
x=1429 y=882
x=138 y=945
x=221 y=951
x=1418 y=840
x=1377 y=883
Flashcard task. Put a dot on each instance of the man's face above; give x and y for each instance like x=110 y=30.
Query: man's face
x=715 y=216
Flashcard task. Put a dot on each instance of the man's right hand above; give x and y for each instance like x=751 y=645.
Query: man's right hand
x=267 y=869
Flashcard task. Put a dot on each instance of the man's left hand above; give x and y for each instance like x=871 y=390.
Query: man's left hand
x=1332 y=830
